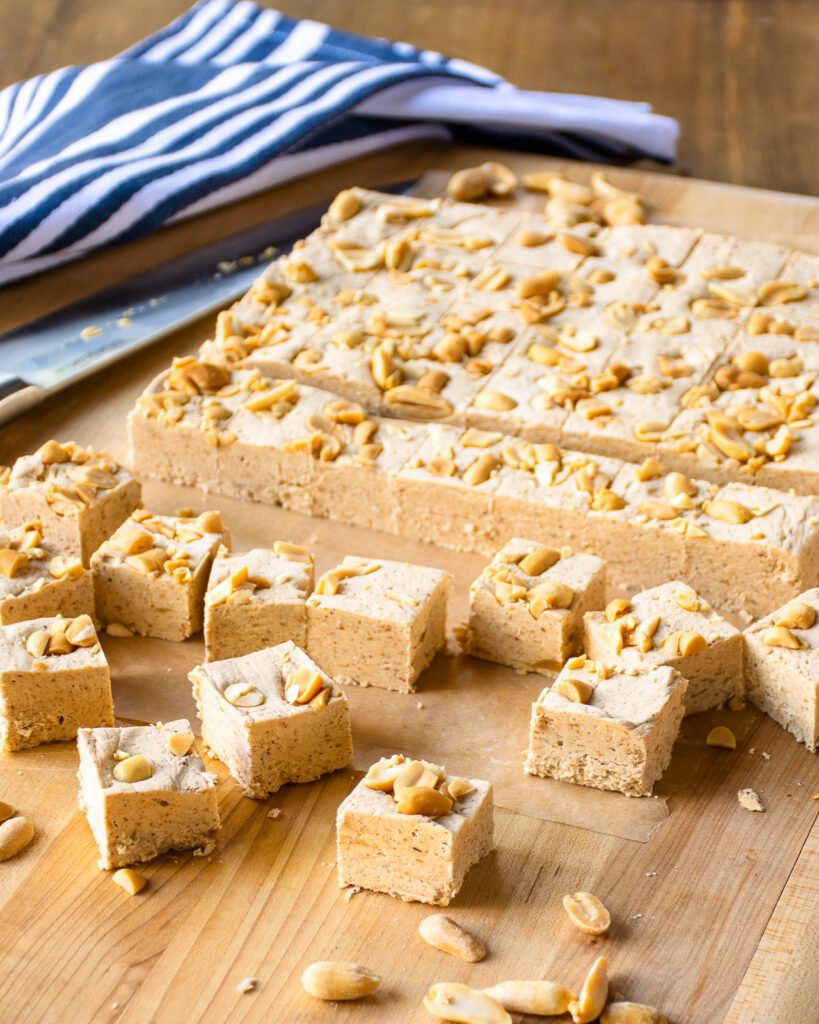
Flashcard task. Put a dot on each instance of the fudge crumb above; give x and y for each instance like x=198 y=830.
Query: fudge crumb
x=751 y=750
x=749 y=800
x=247 y=985
x=274 y=812
x=636 y=917
x=350 y=891
x=651 y=874
x=420 y=705
x=766 y=755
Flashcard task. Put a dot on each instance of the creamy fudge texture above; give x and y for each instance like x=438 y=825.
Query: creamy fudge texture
x=38 y=580
x=257 y=599
x=415 y=843
x=54 y=680
x=377 y=622
x=613 y=730
x=671 y=625
x=79 y=495
x=152 y=574
x=144 y=792
x=526 y=608
x=272 y=717
x=782 y=666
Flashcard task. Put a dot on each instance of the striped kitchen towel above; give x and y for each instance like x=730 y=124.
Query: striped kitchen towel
x=232 y=98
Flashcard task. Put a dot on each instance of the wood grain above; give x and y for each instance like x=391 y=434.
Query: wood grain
x=739 y=75
x=690 y=906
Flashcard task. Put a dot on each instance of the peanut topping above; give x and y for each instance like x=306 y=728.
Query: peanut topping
x=587 y=913
x=244 y=695
x=537 y=561
x=687 y=599
x=685 y=643
x=180 y=743
x=577 y=690
x=12 y=562
x=441 y=932
x=617 y=608
x=303 y=685
x=383 y=773
x=781 y=636
x=797 y=615
x=129 y=880
x=422 y=800
x=136 y=768
x=727 y=511
x=345 y=205
x=548 y=595
x=481 y=470
x=494 y=401
x=418 y=775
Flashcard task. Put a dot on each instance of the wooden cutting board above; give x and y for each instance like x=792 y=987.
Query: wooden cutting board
x=715 y=909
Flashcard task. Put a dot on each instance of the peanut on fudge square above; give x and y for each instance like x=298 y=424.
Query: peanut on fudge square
x=412 y=831
x=377 y=622
x=79 y=495
x=526 y=608
x=272 y=717
x=782 y=666
x=54 y=680
x=671 y=625
x=257 y=599
x=145 y=791
x=605 y=728
x=37 y=580
x=151 y=575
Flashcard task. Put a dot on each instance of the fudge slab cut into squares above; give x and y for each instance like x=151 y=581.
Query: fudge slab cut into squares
x=152 y=574
x=257 y=599
x=54 y=680
x=526 y=608
x=782 y=666
x=376 y=622
x=37 y=580
x=79 y=495
x=272 y=717
x=606 y=729
x=416 y=834
x=671 y=625
x=145 y=791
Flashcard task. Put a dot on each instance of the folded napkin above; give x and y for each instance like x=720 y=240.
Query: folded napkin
x=232 y=98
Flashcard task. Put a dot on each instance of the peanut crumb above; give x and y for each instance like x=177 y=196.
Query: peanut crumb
x=749 y=800
x=274 y=812
x=246 y=985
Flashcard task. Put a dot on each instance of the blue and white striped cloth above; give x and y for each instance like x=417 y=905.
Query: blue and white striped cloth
x=233 y=98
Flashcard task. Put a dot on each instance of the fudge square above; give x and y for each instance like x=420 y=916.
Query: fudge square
x=37 y=580
x=145 y=791
x=606 y=729
x=257 y=599
x=272 y=717
x=152 y=574
x=671 y=625
x=376 y=622
x=782 y=666
x=526 y=607
x=410 y=830
x=54 y=680
x=80 y=495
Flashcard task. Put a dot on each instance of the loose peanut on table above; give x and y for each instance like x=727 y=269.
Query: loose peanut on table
x=339 y=981
x=443 y=933
x=15 y=835
x=587 y=913
x=461 y=1004
x=542 y=998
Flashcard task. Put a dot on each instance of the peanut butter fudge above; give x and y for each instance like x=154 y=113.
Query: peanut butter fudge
x=410 y=830
x=79 y=495
x=273 y=717
x=782 y=666
x=607 y=729
x=526 y=608
x=37 y=580
x=257 y=599
x=152 y=574
x=54 y=680
x=145 y=791
x=376 y=622
x=671 y=625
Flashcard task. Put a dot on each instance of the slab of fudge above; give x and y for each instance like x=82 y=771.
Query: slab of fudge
x=273 y=717
x=39 y=580
x=526 y=608
x=79 y=495
x=604 y=728
x=671 y=625
x=412 y=831
x=54 y=680
x=376 y=622
x=256 y=599
x=151 y=576
x=182 y=420
x=782 y=666
x=145 y=791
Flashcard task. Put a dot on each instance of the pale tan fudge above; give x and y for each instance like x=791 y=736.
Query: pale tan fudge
x=613 y=731
x=257 y=599
x=79 y=495
x=526 y=608
x=410 y=830
x=782 y=666
x=54 y=679
x=152 y=574
x=37 y=580
x=272 y=717
x=671 y=625
x=376 y=622
x=145 y=791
